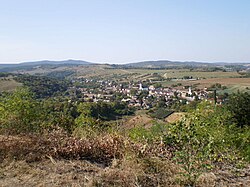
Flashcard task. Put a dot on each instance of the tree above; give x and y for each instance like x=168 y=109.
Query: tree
x=19 y=111
x=59 y=112
x=85 y=118
x=157 y=85
x=162 y=102
x=239 y=105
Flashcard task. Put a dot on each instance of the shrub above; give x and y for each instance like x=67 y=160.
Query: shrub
x=239 y=106
x=19 y=112
x=204 y=136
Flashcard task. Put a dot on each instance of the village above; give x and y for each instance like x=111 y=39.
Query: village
x=142 y=95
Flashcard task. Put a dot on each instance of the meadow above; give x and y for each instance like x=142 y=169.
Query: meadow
x=8 y=84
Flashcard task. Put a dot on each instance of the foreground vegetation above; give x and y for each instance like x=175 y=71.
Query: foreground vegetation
x=97 y=151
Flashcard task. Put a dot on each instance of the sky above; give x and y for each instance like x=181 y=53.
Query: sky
x=121 y=31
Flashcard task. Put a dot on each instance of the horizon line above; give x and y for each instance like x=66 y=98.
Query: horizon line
x=194 y=61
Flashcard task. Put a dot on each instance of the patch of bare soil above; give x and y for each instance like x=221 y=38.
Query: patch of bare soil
x=229 y=176
x=139 y=120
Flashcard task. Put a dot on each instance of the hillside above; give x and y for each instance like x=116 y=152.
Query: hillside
x=143 y=64
x=26 y=66
x=164 y=63
x=167 y=64
x=62 y=141
x=63 y=62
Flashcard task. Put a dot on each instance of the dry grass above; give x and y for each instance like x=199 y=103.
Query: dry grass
x=8 y=84
x=176 y=116
x=61 y=160
x=224 y=81
x=138 y=120
x=83 y=173
x=233 y=84
x=57 y=159
x=134 y=172
x=47 y=173
x=23 y=147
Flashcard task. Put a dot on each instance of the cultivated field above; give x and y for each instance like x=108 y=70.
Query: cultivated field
x=200 y=74
x=141 y=74
x=232 y=84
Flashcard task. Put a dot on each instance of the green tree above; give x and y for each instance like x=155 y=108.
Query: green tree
x=239 y=105
x=85 y=118
x=19 y=111
x=59 y=112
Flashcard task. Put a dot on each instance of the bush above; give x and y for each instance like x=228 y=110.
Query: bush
x=205 y=136
x=19 y=112
x=161 y=113
x=239 y=105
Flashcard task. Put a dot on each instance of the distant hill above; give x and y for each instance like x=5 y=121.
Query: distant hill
x=50 y=65
x=28 y=65
x=63 y=62
x=167 y=63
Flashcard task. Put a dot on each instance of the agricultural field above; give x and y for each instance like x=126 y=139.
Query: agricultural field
x=233 y=84
x=105 y=71
x=200 y=74
x=8 y=84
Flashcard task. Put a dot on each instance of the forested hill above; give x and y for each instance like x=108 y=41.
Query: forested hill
x=47 y=63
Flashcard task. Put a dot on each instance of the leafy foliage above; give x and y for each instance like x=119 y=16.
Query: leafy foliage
x=90 y=113
x=59 y=112
x=209 y=134
x=239 y=105
x=19 y=111
x=60 y=74
x=161 y=113
x=43 y=86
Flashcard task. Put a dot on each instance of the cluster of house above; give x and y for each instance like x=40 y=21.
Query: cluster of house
x=137 y=95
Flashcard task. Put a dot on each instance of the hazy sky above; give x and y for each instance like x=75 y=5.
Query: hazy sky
x=119 y=31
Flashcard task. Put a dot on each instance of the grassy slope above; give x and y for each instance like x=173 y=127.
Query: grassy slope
x=8 y=84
